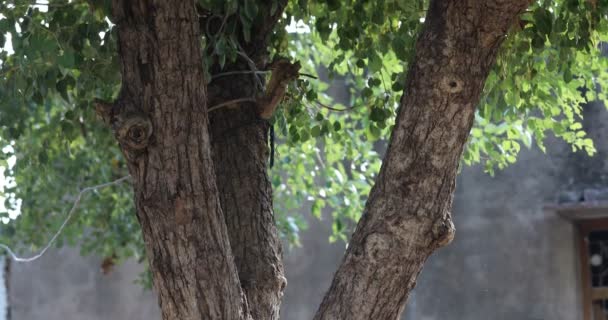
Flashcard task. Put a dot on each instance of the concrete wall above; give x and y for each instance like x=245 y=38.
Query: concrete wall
x=510 y=258
x=62 y=285
x=4 y=308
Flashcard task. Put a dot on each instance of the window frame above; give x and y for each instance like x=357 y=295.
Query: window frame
x=585 y=227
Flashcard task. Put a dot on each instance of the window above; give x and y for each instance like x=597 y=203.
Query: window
x=593 y=242
x=588 y=211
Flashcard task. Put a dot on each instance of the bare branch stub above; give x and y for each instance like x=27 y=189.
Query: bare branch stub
x=133 y=131
x=283 y=71
x=103 y=109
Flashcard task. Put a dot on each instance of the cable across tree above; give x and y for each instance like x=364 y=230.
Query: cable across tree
x=210 y=105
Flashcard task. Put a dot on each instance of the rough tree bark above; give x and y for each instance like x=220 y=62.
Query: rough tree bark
x=212 y=244
x=160 y=121
x=407 y=215
x=240 y=154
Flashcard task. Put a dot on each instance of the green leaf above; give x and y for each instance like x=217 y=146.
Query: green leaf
x=375 y=62
x=337 y=126
x=538 y=41
x=377 y=115
x=231 y=7
x=315 y=131
x=334 y=5
x=251 y=9
x=66 y=60
x=544 y=21
x=567 y=75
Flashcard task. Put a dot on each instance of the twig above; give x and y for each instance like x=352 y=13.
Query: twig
x=252 y=66
x=308 y=75
x=41 y=4
x=229 y=73
x=221 y=28
x=319 y=159
x=332 y=108
x=65 y=222
x=229 y=102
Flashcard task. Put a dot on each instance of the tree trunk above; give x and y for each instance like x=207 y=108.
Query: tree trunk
x=407 y=215
x=212 y=244
x=161 y=124
x=240 y=152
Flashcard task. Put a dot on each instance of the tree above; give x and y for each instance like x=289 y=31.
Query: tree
x=179 y=85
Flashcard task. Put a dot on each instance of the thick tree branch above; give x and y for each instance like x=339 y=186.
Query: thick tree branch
x=283 y=72
x=161 y=123
x=407 y=215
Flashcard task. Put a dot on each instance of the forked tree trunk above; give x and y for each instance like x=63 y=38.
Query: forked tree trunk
x=407 y=215
x=212 y=244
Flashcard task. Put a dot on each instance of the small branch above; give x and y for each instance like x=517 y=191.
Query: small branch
x=229 y=73
x=251 y=66
x=104 y=110
x=333 y=108
x=65 y=222
x=229 y=102
x=308 y=75
x=283 y=71
x=53 y=5
x=319 y=158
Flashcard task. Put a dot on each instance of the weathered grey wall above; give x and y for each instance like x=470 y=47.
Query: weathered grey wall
x=510 y=258
x=62 y=285
x=4 y=269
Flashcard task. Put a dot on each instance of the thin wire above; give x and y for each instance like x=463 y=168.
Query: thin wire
x=65 y=222
x=251 y=66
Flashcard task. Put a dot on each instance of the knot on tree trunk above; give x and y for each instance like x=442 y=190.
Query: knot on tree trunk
x=133 y=129
x=271 y=278
x=451 y=84
x=267 y=286
x=443 y=231
x=278 y=282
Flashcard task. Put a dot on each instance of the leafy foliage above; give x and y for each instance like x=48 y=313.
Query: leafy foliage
x=59 y=56
x=549 y=66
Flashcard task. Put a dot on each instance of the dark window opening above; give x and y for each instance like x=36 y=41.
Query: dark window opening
x=597 y=244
